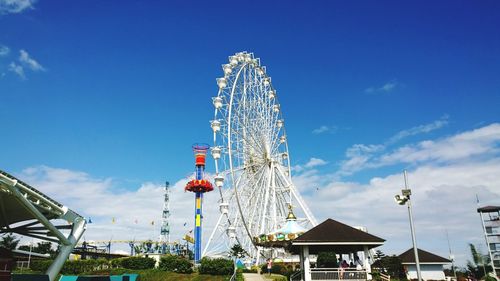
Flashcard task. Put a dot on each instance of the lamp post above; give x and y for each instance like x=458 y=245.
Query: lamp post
x=403 y=200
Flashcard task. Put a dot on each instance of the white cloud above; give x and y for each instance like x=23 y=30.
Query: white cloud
x=104 y=199
x=321 y=130
x=4 y=50
x=313 y=162
x=443 y=196
x=386 y=88
x=15 y=6
x=426 y=128
x=445 y=178
x=17 y=69
x=29 y=62
x=362 y=156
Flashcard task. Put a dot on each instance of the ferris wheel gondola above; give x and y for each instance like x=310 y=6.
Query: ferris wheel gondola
x=252 y=163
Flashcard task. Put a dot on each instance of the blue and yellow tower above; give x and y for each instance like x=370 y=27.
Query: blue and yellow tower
x=199 y=186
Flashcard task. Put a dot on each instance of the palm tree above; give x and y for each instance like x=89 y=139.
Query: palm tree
x=479 y=264
x=9 y=241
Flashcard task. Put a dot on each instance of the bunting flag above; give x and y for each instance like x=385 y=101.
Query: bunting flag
x=113 y=220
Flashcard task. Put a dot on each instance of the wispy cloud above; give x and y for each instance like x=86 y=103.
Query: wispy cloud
x=361 y=156
x=15 y=6
x=467 y=145
x=4 y=50
x=25 y=61
x=324 y=129
x=426 y=128
x=386 y=88
x=312 y=163
x=17 y=69
x=29 y=62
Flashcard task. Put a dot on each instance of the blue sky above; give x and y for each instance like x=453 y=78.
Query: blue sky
x=115 y=93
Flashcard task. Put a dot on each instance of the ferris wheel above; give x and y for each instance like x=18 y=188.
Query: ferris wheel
x=252 y=164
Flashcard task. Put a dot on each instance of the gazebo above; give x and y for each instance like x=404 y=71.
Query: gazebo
x=431 y=265
x=334 y=236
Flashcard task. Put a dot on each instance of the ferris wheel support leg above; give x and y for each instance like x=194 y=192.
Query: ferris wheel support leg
x=212 y=235
x=299 y=199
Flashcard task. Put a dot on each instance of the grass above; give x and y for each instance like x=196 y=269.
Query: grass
x=153 y=275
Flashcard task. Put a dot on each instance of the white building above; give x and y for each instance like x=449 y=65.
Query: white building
x=431 y=265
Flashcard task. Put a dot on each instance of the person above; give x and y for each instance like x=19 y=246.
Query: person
x=269 y=266
x=342 y=266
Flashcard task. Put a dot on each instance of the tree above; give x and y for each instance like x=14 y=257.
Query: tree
x=327 y=260
x=378 y=255
x=393 y=266
x=480 y=263
x=9 y=241
x=237 y=251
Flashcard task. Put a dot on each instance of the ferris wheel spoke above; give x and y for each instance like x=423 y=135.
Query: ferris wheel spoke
x=254 y=151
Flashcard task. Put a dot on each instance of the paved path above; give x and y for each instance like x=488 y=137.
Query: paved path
x=252 y=277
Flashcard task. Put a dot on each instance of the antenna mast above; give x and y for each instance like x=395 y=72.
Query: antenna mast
x=165 y=225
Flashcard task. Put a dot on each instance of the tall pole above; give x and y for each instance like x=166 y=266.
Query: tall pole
x=198 y=186
x=407 y=193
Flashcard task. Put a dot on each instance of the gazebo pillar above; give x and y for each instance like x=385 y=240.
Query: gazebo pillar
x=306 y=265
x=366 y=263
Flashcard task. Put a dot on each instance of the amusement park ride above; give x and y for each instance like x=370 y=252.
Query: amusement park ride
x=199 y=185
x=252 y=164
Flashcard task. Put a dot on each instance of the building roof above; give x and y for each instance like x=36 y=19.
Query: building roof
x=488 y=209
x=332 y=235
x=408 y=257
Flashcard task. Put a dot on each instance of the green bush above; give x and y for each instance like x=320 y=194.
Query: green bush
x=175 y=264
x=137 y=263
x=276 y=268
x=217 y=266
x=40 y=265
x=81 y=266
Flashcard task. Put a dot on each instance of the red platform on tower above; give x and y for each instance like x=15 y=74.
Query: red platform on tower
x=199 y=186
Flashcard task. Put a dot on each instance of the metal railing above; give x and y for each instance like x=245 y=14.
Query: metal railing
x=337 y=274
x=385 y=277
x=332 y=274
x=296 y=276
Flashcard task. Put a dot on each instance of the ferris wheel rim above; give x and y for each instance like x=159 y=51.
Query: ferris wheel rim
x=232 y=154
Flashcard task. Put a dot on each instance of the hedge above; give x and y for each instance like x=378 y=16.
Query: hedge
x=217 y=266
x=175 y=264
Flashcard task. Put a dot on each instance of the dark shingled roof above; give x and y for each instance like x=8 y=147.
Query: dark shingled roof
x=334 y=236
x=334 y=231
x=423 y=257
x=488 y=209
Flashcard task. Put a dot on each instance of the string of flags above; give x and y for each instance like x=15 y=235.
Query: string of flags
x=114 y=220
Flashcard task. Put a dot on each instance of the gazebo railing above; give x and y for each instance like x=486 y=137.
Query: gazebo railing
x=296 y=276
x=337 y=274
x=332 y=274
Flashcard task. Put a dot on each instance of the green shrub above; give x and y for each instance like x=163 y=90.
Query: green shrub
x=217 y=266
x=137 y=263
x=40 y=265
x=276 y=268
x=175 y=264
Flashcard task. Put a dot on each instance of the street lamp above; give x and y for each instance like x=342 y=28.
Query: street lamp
x=403 y=199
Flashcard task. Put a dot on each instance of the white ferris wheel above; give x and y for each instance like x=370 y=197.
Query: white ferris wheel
x=252 y=161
